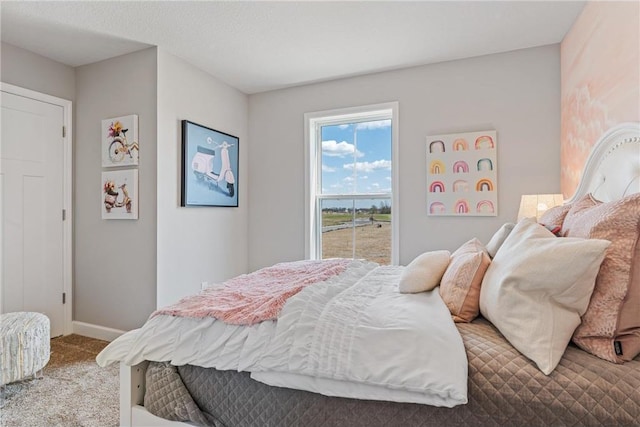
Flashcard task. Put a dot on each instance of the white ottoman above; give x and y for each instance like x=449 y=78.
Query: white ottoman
x=24 y=345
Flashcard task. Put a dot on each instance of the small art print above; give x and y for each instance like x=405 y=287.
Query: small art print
x=209 y=166
x=120 y=194
x=462 y=174
x=120 y=145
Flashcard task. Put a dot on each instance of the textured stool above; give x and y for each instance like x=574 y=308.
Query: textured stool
x=24 y=345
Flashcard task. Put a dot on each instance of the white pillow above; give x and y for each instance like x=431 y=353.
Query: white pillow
x=498 y=239
x=424 y=272
x=537 y=287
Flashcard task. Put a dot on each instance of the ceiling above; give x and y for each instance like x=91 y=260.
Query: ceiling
x=257 y=46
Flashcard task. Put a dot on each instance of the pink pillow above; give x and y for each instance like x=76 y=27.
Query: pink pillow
x=554 y=217
x=610 y=328
x=460 y=285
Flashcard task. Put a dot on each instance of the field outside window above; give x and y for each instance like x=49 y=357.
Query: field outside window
x=350 y=175
x=357 y=229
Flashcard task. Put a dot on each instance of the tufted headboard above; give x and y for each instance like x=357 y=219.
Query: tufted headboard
x=612 y=170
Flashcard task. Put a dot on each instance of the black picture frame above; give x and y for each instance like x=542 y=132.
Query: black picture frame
x=210 y=160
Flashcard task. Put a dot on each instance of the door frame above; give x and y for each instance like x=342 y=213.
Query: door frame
x=67 y=204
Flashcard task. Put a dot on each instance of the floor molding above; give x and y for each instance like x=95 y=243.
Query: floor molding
x=96 y=331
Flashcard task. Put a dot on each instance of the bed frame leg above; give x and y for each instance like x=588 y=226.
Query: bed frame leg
x=131 y=390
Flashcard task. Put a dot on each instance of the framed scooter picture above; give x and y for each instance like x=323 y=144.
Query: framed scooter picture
x=209 y=167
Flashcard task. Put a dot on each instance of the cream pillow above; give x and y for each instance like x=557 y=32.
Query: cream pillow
x=537 y=287
x=424 y=272
x=498 y=239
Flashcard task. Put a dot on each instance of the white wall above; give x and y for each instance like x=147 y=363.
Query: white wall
x=515 y=93
x=115 y=260
x=29 y=70
x=197 y=244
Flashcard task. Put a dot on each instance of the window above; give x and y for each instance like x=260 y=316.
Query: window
x=351 y=183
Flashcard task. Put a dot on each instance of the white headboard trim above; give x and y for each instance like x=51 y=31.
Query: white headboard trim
x=612 y=170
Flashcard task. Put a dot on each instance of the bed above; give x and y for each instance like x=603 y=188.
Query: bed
x=493 y=373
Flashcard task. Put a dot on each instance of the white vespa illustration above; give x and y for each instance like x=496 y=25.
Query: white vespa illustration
x=202 y=165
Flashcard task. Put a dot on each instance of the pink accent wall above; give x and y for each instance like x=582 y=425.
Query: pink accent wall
x=600 y=81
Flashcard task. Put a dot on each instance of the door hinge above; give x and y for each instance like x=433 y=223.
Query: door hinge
x=64 y=131
x=64 y=297
x=64 y=214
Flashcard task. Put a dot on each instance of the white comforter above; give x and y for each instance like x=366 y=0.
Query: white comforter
x=358 y=337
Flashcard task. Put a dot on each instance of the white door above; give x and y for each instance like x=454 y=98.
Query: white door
x=31 y=182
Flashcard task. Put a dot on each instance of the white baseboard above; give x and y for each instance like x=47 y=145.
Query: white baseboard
x=95 y=331
x=141 y=417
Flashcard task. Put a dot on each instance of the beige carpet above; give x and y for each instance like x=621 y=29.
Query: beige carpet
x=74 y=391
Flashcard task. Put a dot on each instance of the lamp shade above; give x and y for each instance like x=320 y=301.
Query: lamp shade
x=534 y=205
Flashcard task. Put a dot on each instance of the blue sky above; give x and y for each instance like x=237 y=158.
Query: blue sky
x=356 y=158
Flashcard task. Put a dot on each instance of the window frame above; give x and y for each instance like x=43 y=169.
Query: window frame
x=313 y=122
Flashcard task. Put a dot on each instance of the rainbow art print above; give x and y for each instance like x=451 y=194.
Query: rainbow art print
x=462 y=174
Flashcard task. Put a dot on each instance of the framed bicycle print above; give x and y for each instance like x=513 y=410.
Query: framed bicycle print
x=209 y=167
x=120 y=145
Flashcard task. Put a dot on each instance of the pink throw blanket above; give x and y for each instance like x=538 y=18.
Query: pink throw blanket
x=256 y=297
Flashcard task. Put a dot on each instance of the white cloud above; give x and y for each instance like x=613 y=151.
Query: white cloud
x=339 y=149
x=388 y=178
x=343 y=126
x=378 y=124
x=352 y=179
x=377 y=188
x=368 y=166
x=326 y=168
